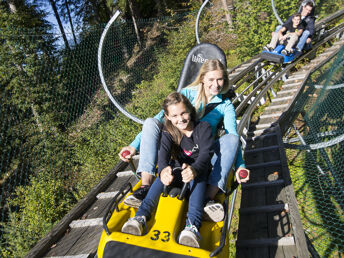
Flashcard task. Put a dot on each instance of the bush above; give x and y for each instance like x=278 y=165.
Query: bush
x=41 y=204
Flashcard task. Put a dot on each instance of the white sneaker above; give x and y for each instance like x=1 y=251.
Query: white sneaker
x=135 y=226
x=213 y=211
x=190 y=236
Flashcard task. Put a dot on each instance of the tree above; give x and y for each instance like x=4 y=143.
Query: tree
x=133 y=12
x=26 y=105
x=20 y=82
x=227 y=13
x=57 y=16
x=66 y=4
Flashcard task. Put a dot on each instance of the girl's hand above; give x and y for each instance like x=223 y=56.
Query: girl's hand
x=127 y=157
x=188 y=173
x=239 y=178
x=166 y=176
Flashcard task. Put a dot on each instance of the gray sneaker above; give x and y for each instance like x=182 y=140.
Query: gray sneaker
x=213 y=211
x=135 y=199
x=132 y=201
x=267 y=48
x=190 y=236
x=135 y=226
x=285 y=52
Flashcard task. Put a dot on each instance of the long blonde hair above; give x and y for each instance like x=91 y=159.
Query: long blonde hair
x=208 y=66
x=173 y=99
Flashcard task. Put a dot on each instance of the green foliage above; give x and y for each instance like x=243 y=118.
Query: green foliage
x=96 y=151
x=62 y=135
x=254 y=21
x=41 y=204
x=323 y=8
x=148 y=99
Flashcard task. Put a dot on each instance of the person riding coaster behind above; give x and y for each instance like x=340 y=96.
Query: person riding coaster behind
x=190 y=144
x=306 y=10
x=207 y=89
x=288 y=35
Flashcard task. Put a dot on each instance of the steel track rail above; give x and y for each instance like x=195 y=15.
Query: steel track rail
x=320 y=30
x=248 y=112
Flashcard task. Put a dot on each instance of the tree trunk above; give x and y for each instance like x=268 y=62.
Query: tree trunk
x=227 y=13
x=57 y=16
x=107 y=11
x=132 y=10
x=70 y=21
x=161 y=5
x=12 y=6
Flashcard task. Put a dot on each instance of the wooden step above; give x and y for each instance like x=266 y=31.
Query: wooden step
x=125 y=173
x=283 y=241
x=262 y=184
x=81 y=223
x=259 y=137
x=273 y=147
x=107 y=195
x=73 y=256
x=263 y=209
x=264 y=164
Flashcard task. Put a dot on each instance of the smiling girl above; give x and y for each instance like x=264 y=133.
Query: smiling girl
x=187 y=144
x=207 y=89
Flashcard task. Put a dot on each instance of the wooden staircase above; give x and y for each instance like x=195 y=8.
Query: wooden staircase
x=269 y=222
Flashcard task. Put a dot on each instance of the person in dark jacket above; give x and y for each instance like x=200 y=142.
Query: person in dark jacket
x=306 y=9
x=287 y=35
x=186 y=144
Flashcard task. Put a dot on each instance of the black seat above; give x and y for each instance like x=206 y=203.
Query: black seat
x=194 y=60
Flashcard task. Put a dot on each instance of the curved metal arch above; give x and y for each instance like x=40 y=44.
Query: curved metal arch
x=331 y=87
x=197 y=20
x=275 y=12
x=100 y=50
x=316 y=146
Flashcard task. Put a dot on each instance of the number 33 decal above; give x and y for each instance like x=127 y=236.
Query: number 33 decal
x=164 y=236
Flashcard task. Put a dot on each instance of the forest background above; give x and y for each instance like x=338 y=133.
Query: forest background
x=59 y=133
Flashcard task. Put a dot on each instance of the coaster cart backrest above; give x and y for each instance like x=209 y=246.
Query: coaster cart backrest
x=194 y=60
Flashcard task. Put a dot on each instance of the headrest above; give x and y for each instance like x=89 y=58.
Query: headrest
x=194 y=60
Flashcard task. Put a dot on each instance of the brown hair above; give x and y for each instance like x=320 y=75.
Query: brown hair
x=296 y=15
x=309 y=4
x=173 y=99
x=208 y=66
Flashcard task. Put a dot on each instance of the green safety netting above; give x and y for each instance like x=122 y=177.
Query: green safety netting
x=315 y=146
x=59 y=132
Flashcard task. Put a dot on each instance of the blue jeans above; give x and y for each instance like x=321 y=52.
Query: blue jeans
x=225 y=154
x=302 y=40
x=150 y=139
x=197 y=189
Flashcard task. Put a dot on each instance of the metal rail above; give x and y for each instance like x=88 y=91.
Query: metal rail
x=269 y=83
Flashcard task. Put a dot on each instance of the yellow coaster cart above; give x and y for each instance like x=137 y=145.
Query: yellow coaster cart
x=162 y=229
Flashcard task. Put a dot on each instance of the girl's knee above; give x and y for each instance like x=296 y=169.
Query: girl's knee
x=151 y=123
x=306 y=33
x=230 y=139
